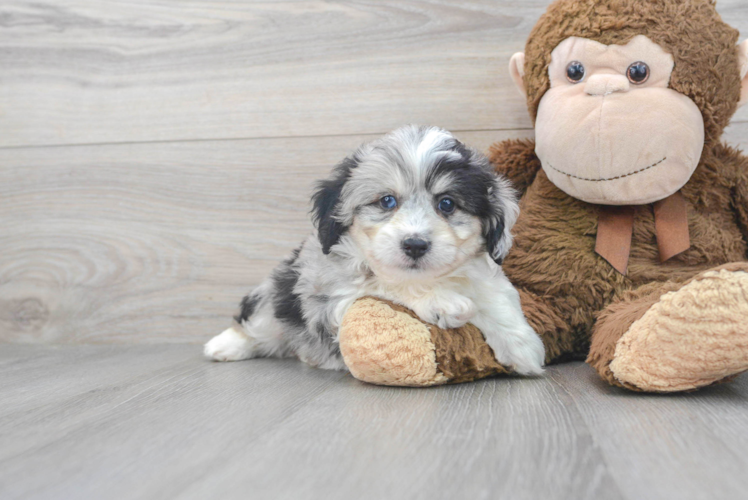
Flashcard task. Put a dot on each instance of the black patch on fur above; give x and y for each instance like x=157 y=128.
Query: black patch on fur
x=286 y=303
x=327 y=339
x=471 y=187
x=248 y=306
x=325 y=201
x=493 y=237
x=471 y=180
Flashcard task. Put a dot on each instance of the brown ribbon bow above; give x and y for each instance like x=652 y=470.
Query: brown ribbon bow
x=615 y=225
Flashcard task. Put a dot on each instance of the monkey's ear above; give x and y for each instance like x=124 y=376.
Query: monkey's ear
x=743 y=58
x=517 y=71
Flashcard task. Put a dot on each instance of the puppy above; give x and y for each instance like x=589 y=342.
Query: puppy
x=414 y=217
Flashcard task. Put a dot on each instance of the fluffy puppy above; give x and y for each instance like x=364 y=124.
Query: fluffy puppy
x=414 y=217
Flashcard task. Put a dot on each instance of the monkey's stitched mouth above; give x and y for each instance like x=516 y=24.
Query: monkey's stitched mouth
x=609 y=178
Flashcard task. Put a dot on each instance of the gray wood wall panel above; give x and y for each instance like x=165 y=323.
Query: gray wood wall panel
x=156 y=157
x=109 y=71
x=93 y=71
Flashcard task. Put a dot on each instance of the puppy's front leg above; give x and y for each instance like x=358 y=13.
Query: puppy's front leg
x=445 y=308
x=515 y=344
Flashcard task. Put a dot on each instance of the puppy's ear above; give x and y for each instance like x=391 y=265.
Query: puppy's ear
x=325 y=202
x=504 y=212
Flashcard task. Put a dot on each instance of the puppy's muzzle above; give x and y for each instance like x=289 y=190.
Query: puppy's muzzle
x=415 y=248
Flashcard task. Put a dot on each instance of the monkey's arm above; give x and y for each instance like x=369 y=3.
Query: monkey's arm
x=741 y=204
x=515 y=159
x=740 y=193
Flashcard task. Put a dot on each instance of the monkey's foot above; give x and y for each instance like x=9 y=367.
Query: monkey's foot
x=690 y=338
x=387 y=344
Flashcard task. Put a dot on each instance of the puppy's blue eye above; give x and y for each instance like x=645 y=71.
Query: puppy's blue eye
x=388 y=202
x=447 y=205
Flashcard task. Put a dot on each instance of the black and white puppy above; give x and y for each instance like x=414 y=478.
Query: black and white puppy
x=414 y=217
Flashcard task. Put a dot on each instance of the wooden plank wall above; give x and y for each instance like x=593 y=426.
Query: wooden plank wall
x=156 y=156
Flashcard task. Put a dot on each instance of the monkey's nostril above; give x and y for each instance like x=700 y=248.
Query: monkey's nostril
x=415 y=247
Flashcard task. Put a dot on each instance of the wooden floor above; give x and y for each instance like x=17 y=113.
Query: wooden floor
x=158 y=422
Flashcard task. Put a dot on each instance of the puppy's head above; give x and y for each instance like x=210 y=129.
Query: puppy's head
x=417 y=204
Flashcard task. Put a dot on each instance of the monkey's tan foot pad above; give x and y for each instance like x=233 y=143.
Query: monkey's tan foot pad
x=692 y=337
x=386 y=344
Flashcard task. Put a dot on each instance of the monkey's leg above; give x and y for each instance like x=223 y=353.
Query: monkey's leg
x=383 y=343
x=387 y=344
x=550 y=322
x=668 y=337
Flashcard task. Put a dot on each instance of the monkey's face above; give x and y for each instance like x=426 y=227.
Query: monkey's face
x=609 y=130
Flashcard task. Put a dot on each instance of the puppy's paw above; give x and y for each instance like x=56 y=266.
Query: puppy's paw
x=454 y=312
x=231 y=345
x=527 y=353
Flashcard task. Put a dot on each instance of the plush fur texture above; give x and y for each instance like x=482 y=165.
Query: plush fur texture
x=386 y=344
x=564 y=285
x=567 y=289
x=687 y=339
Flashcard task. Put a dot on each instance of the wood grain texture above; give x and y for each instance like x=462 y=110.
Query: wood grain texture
x=641 y=434
x=159 y=422
x=111 y=71
x=152 y=242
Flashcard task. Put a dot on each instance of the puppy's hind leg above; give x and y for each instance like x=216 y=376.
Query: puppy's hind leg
x=230 y=345
x=256 y=333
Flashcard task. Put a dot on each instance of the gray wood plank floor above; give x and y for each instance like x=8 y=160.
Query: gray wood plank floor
x=160 y=422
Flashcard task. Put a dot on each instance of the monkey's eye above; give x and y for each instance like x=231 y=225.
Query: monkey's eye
x=446 y=205
x=575 y=72
x=638 y=73
x=388 y=202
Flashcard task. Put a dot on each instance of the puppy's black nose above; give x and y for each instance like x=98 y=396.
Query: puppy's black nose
x=415 y=247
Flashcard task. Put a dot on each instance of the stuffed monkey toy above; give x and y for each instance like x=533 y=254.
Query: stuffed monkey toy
x=631 y=247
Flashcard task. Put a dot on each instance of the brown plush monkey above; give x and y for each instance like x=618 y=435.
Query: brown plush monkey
x=632 y=242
